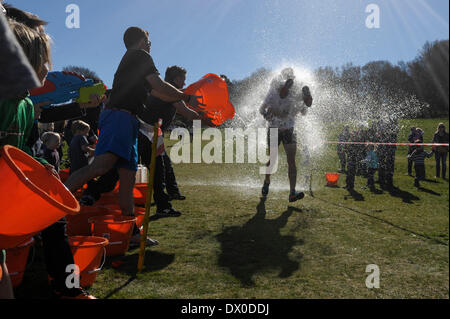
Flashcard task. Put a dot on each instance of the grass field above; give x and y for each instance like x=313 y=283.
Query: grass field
x=230 y=244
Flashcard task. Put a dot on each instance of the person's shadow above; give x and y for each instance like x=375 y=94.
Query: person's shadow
x=258 y=245
x=356 y=196
x=407 y=197
x=429 y=191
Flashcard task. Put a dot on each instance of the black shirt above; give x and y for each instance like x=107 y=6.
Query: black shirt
x=52 y=156
x=156 y=109
x=130 y=88
x=78 y=158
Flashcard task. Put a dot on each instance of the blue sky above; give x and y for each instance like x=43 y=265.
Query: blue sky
x=236 y=37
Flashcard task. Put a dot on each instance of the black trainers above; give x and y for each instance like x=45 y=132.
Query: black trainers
x=135 y=241
x=265 y=189
x=168 y=212
x=295 y=196
x=176 y=196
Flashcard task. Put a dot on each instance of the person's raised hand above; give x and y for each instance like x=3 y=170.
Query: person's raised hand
x=307 y=97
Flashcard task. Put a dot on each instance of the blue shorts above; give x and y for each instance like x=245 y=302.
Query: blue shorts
x=118 y=135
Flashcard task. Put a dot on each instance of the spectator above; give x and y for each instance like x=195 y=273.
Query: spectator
x=352 y=161
x=441 y=137
x=371 y=161
x=51 y=143
x=343 y=137
x=418 y=156
x=386 y=132
x=411 y=138
x=79 y=149
x=20 y=110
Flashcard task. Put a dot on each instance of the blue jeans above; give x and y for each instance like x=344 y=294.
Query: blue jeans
x=441 y=157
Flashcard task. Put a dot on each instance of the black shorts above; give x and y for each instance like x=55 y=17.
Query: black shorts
x=287 y=136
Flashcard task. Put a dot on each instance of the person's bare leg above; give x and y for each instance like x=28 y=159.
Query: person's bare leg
x=101 y=164
x=291 y=150
x=127 y=179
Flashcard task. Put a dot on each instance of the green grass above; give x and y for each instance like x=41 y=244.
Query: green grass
x=230 y=244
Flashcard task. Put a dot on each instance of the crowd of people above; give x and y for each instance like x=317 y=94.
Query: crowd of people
x=365 y=157
x=100 y=161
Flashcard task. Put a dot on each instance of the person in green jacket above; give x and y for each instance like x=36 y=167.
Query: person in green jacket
x=16 y=121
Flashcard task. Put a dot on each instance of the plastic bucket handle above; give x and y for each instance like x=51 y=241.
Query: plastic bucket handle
x=101 y=266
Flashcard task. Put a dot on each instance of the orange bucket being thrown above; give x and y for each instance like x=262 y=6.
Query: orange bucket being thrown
x=31 y=198
x=117 y=229
x=214 y=92
x=332 y=178
x=87 y=253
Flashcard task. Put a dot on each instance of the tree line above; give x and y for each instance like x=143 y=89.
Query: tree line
x=426 y=78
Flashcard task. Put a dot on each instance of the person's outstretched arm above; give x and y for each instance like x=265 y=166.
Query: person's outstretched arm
x=169 y=91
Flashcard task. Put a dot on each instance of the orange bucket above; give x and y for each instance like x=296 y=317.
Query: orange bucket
x=139 y=195
x=16 y=261
x=139 y=213
x=64 y=174
x=78 y=225
x=31 y=198
x=332 y=178
x=117 y=229
x=214 y=92
x=87 y=253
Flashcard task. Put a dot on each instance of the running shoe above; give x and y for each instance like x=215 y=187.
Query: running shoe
x=295 y=196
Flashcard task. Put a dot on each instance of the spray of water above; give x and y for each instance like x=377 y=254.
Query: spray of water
x=335 y=104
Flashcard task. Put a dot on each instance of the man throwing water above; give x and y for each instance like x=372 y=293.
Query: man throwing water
x=281 y=106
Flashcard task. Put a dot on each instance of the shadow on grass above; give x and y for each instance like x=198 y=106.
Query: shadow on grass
x=384 y=221
x=154 y=261
x=429 y=191
x=258 y=245
x=356 y=196
x=407 y=197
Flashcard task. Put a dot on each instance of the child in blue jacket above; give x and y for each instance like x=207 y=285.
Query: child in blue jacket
x=371 y=161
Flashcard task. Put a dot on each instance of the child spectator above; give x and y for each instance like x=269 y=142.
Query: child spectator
x=38 y=146
x=441 y=137
x=411 y=138
x=16 y=122
x=79 y=149
x=51 y=142
x=418 y=156
x=371 y=161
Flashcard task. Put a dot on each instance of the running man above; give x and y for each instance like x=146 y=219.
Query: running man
x=281 y=106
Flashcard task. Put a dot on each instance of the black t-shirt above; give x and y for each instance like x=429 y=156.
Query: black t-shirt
x=78 y=158
x=130 y=88
x=52 y=156
x=157 y=109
